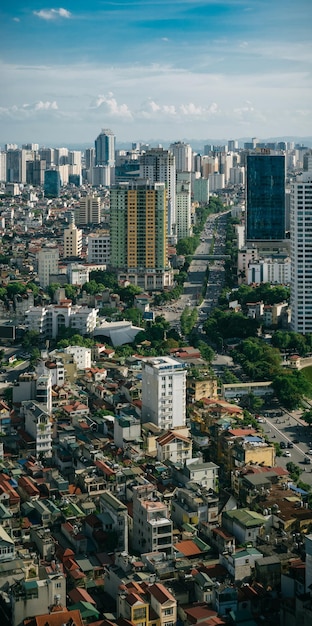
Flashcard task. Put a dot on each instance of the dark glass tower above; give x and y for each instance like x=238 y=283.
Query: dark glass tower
x=105 y=148
x=52 y=183
x=265 y=197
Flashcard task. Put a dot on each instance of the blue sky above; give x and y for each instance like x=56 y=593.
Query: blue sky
x=154 y=69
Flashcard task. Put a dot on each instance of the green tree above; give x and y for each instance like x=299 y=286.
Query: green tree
x=290 y=387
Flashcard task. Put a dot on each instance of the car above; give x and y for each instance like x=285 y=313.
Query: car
x=290 y=444
x=283 y=444
x=296 y=441
x=307 y=460
x=310 y=452
x=287 y=453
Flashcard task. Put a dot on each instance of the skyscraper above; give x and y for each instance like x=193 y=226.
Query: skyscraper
x=301 y=253
x=158 y=165
x=183 y=156
x=105 y=148
x=52 y=183
x=138 y=220
x=265 y=196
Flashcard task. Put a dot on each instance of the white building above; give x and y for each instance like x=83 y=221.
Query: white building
x=50 y=320
x=152 y=524
x=174 y=446
x=37 y=597
x=164 y=392
x=183 y=156
x=72 y=241
x=158 y=166
x=78 y=274
x=48 y=260
x=216 y=182
x=183 y=209
x=275 y=271
x=245 y=256
x=82 y=356
x=38 y=425
x=99 y=247
x=300 y=253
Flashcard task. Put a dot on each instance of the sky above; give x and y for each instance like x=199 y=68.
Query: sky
x=163 y=69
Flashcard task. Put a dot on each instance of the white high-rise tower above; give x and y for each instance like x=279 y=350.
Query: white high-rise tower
x=164 y=392
x=301 y=253
x=158 y=166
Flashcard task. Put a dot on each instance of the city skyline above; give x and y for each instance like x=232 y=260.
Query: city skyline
x=165 y=70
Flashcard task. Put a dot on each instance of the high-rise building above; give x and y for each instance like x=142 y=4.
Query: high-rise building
x=16 y=166
x=138 y=221
x=52 y=183
x=164 y=392
x=105 y=148
x=158 y=165
x=265 y=196
x=89 y=211
x=183 y=156
x=72 y=241
x=300 y=253
x=48 y=258
x=183 y=205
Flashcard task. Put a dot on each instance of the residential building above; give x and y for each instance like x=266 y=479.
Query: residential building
x=48 y=260
x=138 y=220
x=119 y=515
x=99 y=247
x=72 y=241
x=152 y=524
x=265 y=196
x=201 y=190
x=127 y=430
x=163 y=603
x=89 y=210
x=301 y=261
x=51 y=319
x=174 y=446
x=183 y=155
x=195 y=471
x=245 y=525
x=37 y=597
x=16 y=166
x=195 y=506
x=78 y=274
x=158 y=166
x=183 y=207
x=308 y=549
x=164 y=392
x=82 y=356
x=38 y=425
x=7 y=546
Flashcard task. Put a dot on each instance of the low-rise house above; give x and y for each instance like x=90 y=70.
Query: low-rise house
x=245 y=525
x=174 y=446
x=75 y=537
x=240 y=564
x=194 y=506
x=7 y=546
x=194 y=470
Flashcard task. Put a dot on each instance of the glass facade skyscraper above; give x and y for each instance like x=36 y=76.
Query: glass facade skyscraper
x=52 y=183
x=105 y=148
x=265 y=197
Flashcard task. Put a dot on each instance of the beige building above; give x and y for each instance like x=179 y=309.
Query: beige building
x=89 y=211
x=203 y=386
x=72 y=241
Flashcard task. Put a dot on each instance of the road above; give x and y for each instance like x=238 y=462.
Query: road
x=285 y=429
x=213 y=229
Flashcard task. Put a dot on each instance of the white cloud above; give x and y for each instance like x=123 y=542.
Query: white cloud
x=112 y=107
x=25 y=110
x=16 y=19
x=52 y=14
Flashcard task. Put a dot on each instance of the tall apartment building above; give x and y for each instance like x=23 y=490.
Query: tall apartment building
x=38 y=425
x=118 y=512
x=138 y=220
x=72 y=241
x=105 y=148
x=16 y=166
x=183 y=156
x=164 y=392
x=300 y=253
x=99 y=247
x=158 y=165
x=89 y=211
x=183 y=207
x=265 y=196
x=48 y=259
